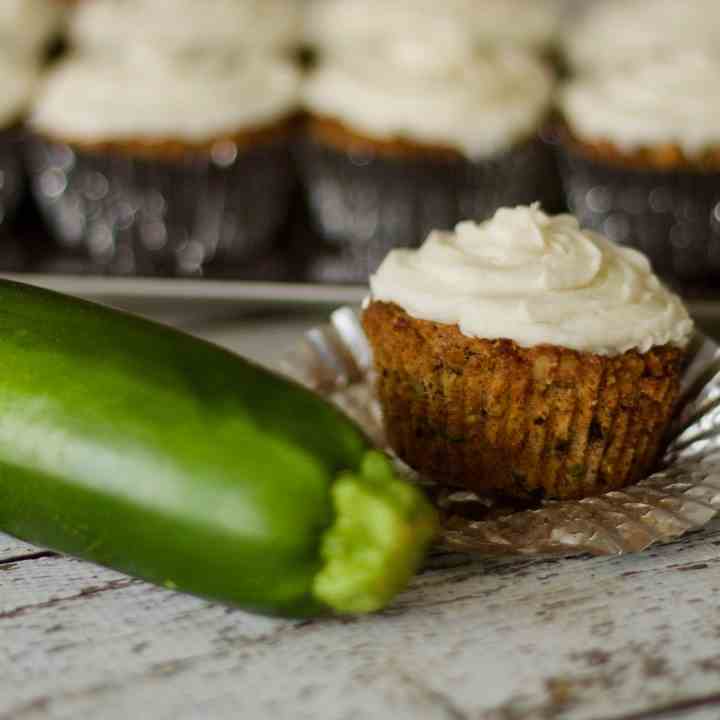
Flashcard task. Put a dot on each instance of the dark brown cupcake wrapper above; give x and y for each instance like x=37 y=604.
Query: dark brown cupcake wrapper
x=167 y=217
x=671 y=216
x=364 y=205
x=528 y=424
x=12 y=179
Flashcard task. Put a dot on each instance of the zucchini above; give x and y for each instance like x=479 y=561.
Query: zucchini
x=140 y=448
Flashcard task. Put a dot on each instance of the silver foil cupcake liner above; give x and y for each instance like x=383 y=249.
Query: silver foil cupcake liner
x=139 y=216
x=335 y=360
x=671 y=216
x=363 y=205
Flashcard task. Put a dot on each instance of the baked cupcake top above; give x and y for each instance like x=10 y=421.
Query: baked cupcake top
x=535 y=279
x=337 y=24
x=619 y=33
x=671 y=101
x=177 y=25
x=443 y=95
x=18 y=79
x=26 y=26
x=153 y=96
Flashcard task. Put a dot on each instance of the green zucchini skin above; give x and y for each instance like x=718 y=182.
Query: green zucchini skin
x=137 y=447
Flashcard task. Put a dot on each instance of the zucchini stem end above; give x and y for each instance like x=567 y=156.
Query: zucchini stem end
x=383 y=527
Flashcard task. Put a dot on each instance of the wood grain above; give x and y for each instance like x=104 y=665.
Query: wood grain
x=513 y=640
x=10 y=548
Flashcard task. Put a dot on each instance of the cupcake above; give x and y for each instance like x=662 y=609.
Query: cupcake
x=640 y=158
x=165 y=163
x=28 y=26
x=340 y=25
x=415 y=137
x=614 y=34
x=108 y=26
x=526 y=358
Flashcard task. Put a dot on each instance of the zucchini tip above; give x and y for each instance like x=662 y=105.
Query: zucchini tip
x=383 y=527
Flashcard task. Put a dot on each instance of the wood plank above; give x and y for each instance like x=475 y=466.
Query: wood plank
x=11 y=548
x=503 y=640
x=704 y=707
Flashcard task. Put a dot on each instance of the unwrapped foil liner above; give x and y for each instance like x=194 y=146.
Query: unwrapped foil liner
x=335 y=360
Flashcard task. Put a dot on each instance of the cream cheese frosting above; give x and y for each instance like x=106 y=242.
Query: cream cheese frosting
x=675 y=100
x=337 y=24
x=27 y=25
x=151 y=95
x=620 y=33
x=109 y=25
x=442 y=93
x=18 y=80
x=535 y=279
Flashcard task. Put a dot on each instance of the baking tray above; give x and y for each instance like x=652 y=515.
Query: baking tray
x=172 y=297
x=278 y=285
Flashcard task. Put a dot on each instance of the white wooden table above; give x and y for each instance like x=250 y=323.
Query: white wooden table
x=579 y=638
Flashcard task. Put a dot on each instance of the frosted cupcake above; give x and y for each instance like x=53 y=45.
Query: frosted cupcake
x=345 y=25
x=526 y=357
x=28 y=26
x=417 y=137
x=103 y=26
x=641 y=160
x=614 y=34
x=163 y=164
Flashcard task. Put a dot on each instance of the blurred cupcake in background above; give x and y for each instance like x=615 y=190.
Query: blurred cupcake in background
x=640 y=158
x=107 y=26
x=621 y=33
x=347 y=25
x=412 y=136
x=27 y=27
x=529 y=24
x=18 y=79
x=163 y=163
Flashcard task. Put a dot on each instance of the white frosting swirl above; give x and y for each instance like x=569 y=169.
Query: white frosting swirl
x=535 y=279
x=336 y=24
x=110 y=25
x=194 y=98
x=479 y=104
x=675 y=100
x=27 y=25
x=18 y=80
x=620 y=33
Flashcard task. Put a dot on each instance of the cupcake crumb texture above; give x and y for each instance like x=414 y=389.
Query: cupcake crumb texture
x=525 y=423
